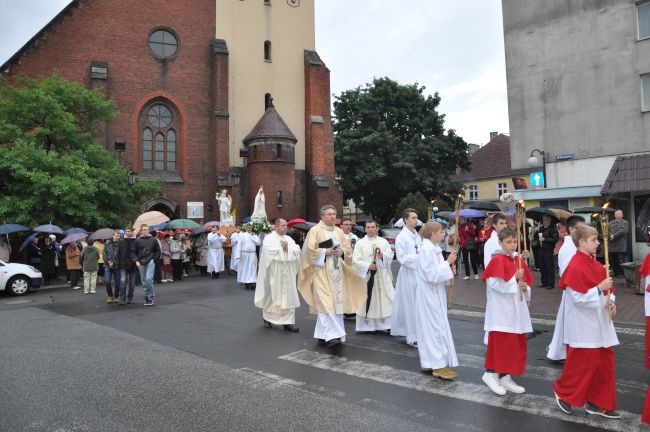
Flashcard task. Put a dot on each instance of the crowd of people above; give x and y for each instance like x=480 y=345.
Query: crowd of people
x=338 y=275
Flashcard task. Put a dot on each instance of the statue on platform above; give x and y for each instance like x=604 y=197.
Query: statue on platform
x=260 y=210
x=225 y=204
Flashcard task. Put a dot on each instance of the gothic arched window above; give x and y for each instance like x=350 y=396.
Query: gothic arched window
x=159 y=137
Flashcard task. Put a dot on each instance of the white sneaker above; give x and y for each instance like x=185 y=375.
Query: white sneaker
x=465 y=277
x=93 y=291
x=492 y=381
x=508 y=384
x=164 y=281
x=476 y=277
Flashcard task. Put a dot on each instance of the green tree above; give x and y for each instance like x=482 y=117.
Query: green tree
x=415 y=201
x=389 y=141
x=52 y=168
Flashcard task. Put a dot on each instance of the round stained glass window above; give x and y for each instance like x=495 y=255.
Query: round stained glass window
x=163 y=43
x=159 y=116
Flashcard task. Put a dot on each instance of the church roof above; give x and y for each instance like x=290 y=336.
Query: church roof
x=270 y=125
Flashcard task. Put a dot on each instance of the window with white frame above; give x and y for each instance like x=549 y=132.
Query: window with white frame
x=501 y=189
x=645 y=92
x=472 y=192
x=643 y=19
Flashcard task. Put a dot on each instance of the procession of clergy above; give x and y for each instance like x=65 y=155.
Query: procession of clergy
x=337 y=274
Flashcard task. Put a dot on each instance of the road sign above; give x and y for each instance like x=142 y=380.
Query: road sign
x=537 y=179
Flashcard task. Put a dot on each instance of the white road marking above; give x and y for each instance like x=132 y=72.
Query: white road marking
x=527 y=403
x=477 y=362
x=632 y=331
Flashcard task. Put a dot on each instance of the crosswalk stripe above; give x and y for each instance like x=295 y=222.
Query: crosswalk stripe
x=632 y=331
x=477 y=362
x=527 y=403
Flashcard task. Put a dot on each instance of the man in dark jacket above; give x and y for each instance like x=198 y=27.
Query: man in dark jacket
x=111 y=265
x=147 y=251
x=126 y=264
x=548 y=236
x=618 y=230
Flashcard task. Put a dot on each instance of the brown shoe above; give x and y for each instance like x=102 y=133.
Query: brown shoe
x=109 y=300
x=444 y=373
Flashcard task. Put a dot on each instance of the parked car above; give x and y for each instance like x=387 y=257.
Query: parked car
x=19 y=279
x=390 y=234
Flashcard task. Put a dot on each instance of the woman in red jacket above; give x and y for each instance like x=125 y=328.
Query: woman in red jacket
x=467 y=240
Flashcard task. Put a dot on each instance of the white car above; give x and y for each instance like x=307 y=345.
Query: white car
x=18 y=279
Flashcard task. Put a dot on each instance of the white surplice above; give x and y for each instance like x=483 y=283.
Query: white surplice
x=234 y=251
x=557 y=348
x=381 y=301
x=586 y=321
x=247 y=265
x=506 y=311
x=215 y=252
x=276 y=291
x=435 y=343
x=407 y=245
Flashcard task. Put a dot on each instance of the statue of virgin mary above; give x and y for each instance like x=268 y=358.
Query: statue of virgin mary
x=259 y=211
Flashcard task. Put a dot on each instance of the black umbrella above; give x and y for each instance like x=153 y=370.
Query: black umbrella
x=593 y=210
x=537 y=213
x=484 y=205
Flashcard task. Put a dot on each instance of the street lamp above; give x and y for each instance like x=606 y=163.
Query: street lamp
x=132 y=178
x=534 y=161
x=235 y=178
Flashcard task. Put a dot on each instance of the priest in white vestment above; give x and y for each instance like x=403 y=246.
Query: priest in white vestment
x=435 y=343
x=247 y=243
x=327 y=280
x=276 y=292
x=557 y=348
x=215 y=252
x=407 y=246
x=372 y=258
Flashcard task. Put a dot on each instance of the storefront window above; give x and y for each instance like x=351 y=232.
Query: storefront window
x=642 y=214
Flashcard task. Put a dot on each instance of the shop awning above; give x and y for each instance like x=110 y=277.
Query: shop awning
x=628 y=174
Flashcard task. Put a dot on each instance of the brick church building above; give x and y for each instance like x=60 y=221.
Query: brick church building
x=210 y=94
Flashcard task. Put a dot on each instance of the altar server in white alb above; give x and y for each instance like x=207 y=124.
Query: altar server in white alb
x=372 y=258
x=557 y=348
x=435 y=343
x=276 y=292
x=234 y=251
x=507 y=319
x=247 y=243
x=589 y=376
x=215 y=252
x=407 y=246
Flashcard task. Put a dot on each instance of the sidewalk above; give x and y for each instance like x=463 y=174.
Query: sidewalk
x=471 y=293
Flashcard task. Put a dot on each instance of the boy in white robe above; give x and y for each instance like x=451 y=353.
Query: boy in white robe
x=372 y=258
x=435 y=343
x=507 y=319
x=215 y=252
x=407 y=247
x=589 y=370
x=247 y=243
x=276 y=292
x=557 y=348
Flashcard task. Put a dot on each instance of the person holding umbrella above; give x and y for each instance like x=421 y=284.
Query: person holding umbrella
x=73 y=264
x=467 y=240
x=547 y=236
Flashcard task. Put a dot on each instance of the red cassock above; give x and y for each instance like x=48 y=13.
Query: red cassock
x=645 y=272
x=506 y=352
x=589 y=373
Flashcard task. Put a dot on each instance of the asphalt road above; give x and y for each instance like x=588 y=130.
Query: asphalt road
x=200 y=360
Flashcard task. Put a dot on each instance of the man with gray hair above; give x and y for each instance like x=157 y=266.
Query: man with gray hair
x=327 y=280
x=618 y=229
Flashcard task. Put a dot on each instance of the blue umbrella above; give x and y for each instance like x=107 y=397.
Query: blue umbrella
x=200 y=231
x=160 y=226
x=49 y=228
x=469 y=213
x=72 y=238
x=27 y=241
x=12 y=228
x=246 y=219
x=75 y=231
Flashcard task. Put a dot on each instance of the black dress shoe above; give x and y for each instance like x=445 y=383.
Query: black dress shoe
x=267 y=324
x=291 y=328
x=550 y=287
x=332 y=343
x=321 y=341
x=542 y=286
x=218 y=274
x=214 y=276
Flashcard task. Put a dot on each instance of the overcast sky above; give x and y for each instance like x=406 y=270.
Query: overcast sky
x=454 y=47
